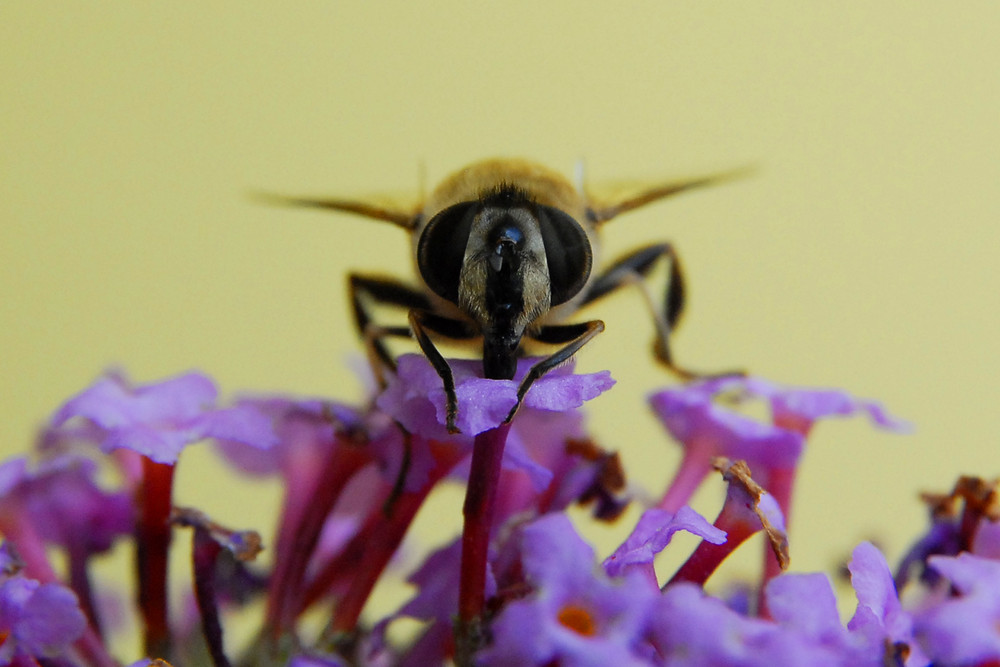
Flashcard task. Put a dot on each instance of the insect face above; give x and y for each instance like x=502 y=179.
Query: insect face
x=504 y=261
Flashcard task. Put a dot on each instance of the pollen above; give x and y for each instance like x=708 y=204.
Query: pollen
x=578 y=619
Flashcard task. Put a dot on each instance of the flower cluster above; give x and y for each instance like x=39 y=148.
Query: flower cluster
x=519 y=586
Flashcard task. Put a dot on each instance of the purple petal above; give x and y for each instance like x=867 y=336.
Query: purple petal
x=156 y=420
x=879 y=617
x=652 y=534
x=416 y=398
x=805 y=603
x=969 y=574
x=482 y=404
x=111 y=402
x=810 y=405
x=41 y=620
x=576 y=615
x=552 y=550
x=694 y=420
x=556 y=392
x=962 y=630
x=316 y=661
x=692 y=629
x=241 y=423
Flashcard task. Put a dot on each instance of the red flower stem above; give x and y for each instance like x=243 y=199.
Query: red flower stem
x=205 y=551
x=480 y=503
x=707 y=556
x=153 y=542
x=285 y=591
x=780 y=484
x=384 y=539
x=79 y=578
x=341 y=566
x=384 y=532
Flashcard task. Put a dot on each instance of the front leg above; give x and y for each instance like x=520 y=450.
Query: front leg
x=574 y=336
x=422 y=321
x=386 y=291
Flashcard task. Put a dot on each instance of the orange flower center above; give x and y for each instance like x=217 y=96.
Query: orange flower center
x=578 y=620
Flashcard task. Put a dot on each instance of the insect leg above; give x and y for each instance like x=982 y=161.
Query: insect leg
x=420 y=322
x=630 y=270
x=386 y=291
x=574 y=335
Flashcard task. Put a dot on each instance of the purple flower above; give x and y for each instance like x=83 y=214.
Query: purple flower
x=159 y=420
x=652 y=534
x=575 y=615
x=691 y=629
x=879 y=618
x=437 y=581
x=804 y=604
x=415 y=396
x=694 y=419
x=798 y=408
x=37 y=620
x=64 y=504
x=316 y=661
x=707 y=429
x=304 y=431
x=964 y=519
x=963 y=629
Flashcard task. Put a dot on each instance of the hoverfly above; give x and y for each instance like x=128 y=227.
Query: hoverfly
x=505 y=250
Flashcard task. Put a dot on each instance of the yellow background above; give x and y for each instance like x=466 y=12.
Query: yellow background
x=861 y=255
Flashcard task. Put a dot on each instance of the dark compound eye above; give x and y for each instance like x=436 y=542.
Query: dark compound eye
x=567 y=251
x=442 y=246
x=441 y=249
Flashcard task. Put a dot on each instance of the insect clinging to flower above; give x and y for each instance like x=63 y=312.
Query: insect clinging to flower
x=506 y=251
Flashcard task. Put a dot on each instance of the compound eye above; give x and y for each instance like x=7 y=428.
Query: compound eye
x=567 y=251
x=441 y=249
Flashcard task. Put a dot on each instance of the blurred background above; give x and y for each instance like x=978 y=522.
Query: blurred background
x=860 y=255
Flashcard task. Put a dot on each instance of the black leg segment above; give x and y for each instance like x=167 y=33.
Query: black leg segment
x=577 y=335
